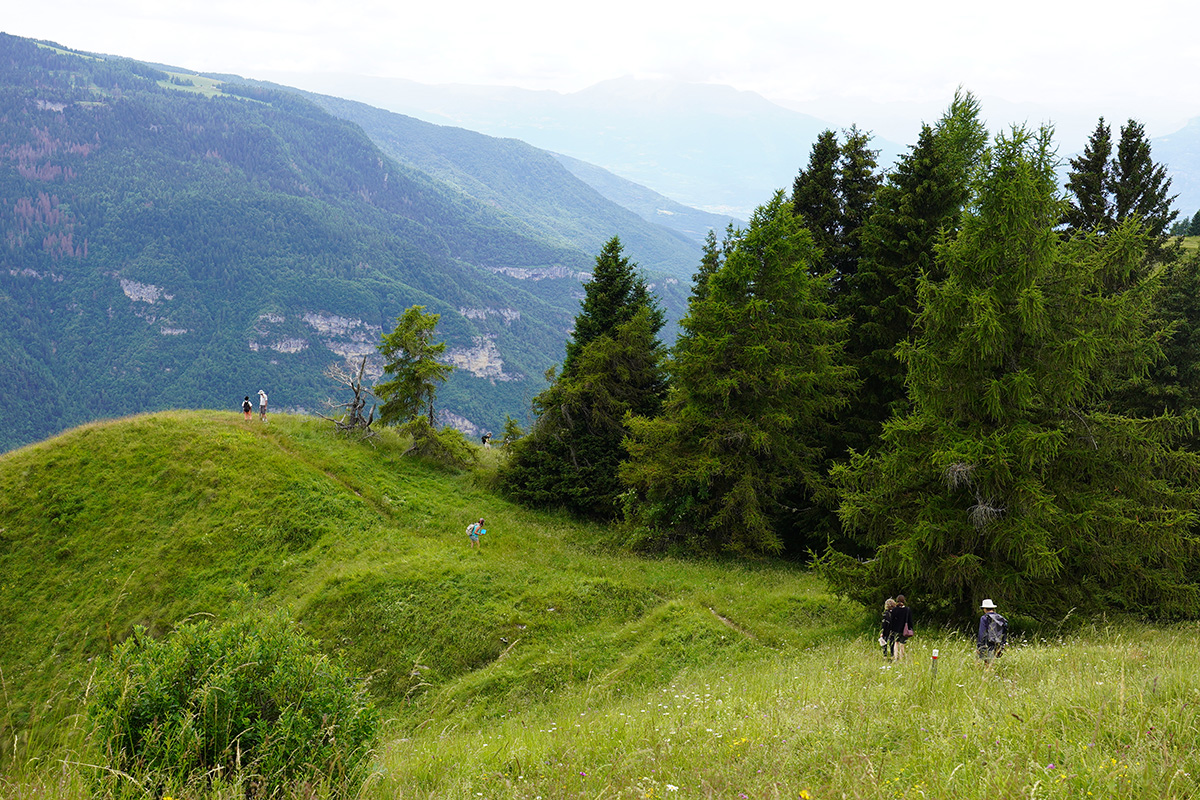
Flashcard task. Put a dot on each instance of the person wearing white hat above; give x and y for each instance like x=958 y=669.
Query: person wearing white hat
x=262 y=405
x=993 y=633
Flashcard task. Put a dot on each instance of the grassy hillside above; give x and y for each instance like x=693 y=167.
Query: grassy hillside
x=545 y=664
x=152 y=519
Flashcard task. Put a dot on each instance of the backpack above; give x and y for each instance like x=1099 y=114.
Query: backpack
x=996 y=632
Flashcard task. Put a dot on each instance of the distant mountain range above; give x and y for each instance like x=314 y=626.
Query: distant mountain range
x=711 y=146
x=170 y=239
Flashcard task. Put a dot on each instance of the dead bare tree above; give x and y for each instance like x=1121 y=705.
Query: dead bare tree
x=353 y=421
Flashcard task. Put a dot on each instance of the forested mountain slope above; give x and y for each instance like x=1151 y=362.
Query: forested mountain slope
x=535 y=186
x=169 y=240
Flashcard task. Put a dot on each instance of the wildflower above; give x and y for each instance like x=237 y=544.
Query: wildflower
x=672 y=787
x=804 y=795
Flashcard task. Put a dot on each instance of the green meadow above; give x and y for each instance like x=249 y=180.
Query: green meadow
x=549 y=663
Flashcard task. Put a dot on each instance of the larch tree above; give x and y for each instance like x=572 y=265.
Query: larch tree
x=1008 y=478
x=411 y=360
x=754 y=376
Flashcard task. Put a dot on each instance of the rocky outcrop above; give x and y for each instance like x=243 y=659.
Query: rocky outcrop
x=144 y=292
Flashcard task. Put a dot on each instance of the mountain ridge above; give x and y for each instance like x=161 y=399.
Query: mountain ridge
x=172 y=240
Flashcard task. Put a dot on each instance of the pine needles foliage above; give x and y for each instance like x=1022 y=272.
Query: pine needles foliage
x=613 y=368
x=1010 y=478
x=754 y=376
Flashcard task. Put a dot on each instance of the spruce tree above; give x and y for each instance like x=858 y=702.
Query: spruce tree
x=613 y=368
x=1106 y=191
x=815 y=195
x=613 y=295
x=753 y=378
x=1008 y=479
x=1089 y=183
x=921 y=199
x=834 y=195
x=1140 y=186
x=1194 y=227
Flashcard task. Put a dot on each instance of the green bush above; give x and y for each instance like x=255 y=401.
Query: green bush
x=445 y=446
x=251 y=702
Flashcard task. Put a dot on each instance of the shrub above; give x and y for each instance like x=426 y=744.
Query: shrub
x=445 y=446
x=252 y=702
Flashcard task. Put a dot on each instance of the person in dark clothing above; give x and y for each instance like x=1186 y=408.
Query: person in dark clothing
x=992 y=634
x=900 y=627
x=885 y=639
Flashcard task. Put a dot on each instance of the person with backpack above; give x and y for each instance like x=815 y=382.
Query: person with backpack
x=474 y=531
x=992 y=635
x=246 y=407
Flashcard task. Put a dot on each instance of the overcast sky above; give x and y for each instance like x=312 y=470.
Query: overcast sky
x=1136 y=60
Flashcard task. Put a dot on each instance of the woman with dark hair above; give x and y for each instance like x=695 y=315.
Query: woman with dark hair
x=885 y=638
x=900 y=627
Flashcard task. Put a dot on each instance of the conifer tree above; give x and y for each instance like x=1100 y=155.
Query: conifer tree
x=833 y=196
x=411 y=359
x=1007 y=479
x=613 y=368
x=752 y=379
x=1106 y=191
x=1089 y=182
x=921 y=199
x=815 y=196
x=613 y=295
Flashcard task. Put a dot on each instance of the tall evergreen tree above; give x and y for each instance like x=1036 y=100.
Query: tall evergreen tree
x=1106 y=191
x=815 y=195
x=411 y=359
x=1140 y=186
x=921 y=199
x=613 y=295
x=833 y=195
x=1089 y=183
x=1194 y=227
x=613 y=368
x=752 y=380
x=858 y=180
x=1006 y=479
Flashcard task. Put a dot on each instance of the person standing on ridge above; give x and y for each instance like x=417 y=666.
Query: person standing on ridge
x=262 y=405
x=246 y=407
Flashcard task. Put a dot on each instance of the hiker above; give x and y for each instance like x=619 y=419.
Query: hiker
x=262 y=405
x=885 y=641
x=900 y=627
x=992 y=635
x=474 y=531
x=246 y=407
x=487 y=440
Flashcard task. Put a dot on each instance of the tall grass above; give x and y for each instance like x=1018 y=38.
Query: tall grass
x=1109 y=713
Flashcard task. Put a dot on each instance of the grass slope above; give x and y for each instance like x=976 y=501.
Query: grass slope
x=152 y=519
x=546 y=664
